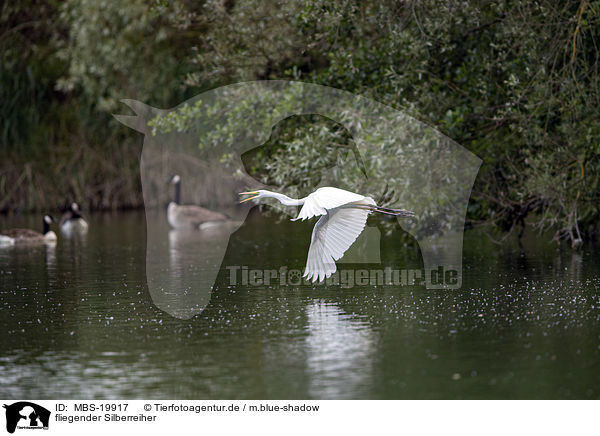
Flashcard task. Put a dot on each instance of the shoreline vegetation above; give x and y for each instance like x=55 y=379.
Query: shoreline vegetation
x=514 y=82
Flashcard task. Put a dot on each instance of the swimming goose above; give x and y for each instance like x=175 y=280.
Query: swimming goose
x=72 y=221
x=189 y=216
x=22 y=236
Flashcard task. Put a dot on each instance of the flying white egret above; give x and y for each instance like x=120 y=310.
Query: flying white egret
x=343 y=218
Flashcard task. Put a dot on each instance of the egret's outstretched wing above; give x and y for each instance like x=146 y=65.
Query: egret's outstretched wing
x=333 y=234
x=327 y=198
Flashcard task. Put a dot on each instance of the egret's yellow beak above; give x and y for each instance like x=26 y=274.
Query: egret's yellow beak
x=254 y=193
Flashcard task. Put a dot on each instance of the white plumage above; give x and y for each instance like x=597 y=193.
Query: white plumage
x=72 y=223
x=343 y=216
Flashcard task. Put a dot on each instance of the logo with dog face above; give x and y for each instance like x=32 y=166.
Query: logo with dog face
x=26 y=415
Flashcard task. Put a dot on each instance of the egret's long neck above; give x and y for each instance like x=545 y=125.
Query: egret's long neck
x=284 y=199
x=178 y=192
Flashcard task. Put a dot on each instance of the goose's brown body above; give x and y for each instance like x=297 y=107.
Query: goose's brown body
x=23 y=235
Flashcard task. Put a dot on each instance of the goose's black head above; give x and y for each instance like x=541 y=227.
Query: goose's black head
x=48 y=219
x=74 y=212
x=174 y=179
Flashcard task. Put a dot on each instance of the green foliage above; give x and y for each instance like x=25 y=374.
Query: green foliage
x=27 y=71
x=114 y=51
x=516 y=82
x=63 y=68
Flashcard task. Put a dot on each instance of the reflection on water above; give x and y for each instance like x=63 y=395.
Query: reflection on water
x=182 y=265
x=79 y=321
x=340 y=352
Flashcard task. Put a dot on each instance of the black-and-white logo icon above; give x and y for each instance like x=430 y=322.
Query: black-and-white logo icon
x=26 y=415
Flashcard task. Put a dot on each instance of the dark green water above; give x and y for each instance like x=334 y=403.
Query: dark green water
x=78 y=321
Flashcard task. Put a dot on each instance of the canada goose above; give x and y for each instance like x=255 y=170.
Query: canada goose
x=22 y=236
x=189 y=216
x=72 y=221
